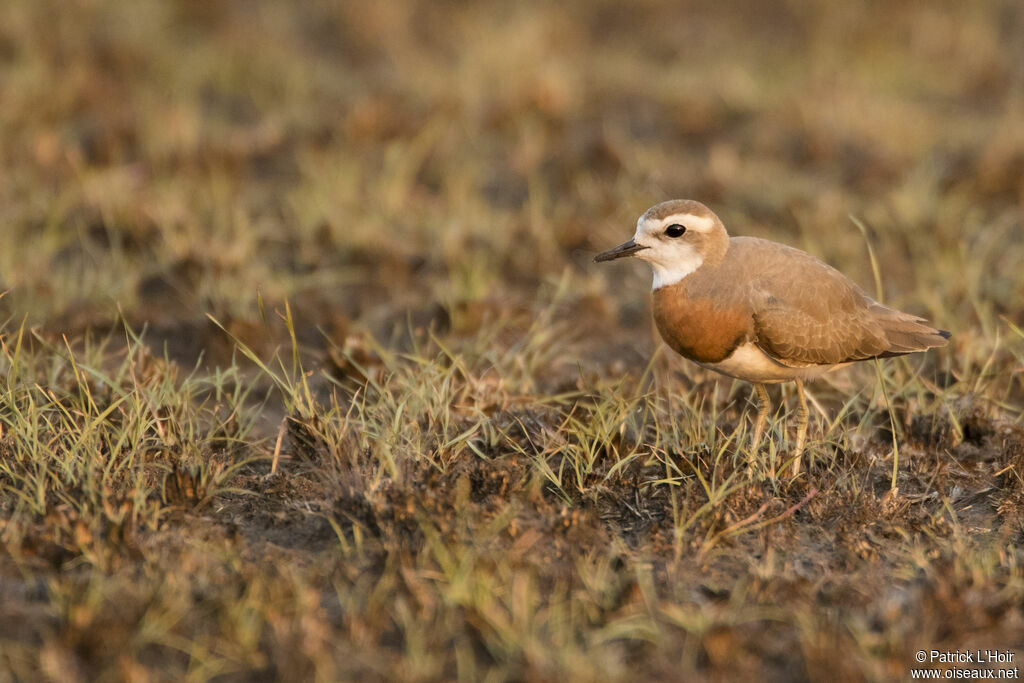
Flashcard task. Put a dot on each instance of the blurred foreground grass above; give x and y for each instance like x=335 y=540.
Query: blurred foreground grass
x=388 y=210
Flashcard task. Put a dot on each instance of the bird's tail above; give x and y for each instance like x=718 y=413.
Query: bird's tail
x=907 y=333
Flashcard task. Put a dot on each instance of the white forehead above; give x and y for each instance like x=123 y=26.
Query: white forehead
x=690 y=221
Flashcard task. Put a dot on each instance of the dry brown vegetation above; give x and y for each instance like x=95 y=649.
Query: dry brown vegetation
x=353 y=241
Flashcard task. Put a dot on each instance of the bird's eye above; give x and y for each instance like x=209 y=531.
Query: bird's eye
x=675 y=230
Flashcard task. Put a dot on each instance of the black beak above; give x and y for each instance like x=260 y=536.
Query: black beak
x=625 y=249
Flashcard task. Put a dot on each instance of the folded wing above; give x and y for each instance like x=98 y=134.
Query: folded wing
x=808 y=313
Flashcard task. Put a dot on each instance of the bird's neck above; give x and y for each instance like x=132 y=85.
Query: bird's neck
x=666 y=275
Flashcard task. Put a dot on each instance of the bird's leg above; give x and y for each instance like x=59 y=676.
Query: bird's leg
x=764 y=405
x=801 y=426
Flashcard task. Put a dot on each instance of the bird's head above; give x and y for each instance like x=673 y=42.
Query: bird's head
x=676 y=237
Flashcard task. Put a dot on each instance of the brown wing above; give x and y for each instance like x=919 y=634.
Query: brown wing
x=808 y=313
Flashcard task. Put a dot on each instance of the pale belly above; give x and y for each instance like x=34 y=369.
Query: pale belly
x=751 y=364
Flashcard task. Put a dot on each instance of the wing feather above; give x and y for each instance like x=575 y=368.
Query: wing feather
x=808 y=313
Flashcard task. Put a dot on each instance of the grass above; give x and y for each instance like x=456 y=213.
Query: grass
x=305 y=372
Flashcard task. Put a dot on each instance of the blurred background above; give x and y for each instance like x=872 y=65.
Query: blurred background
x=439 y=162
x=515 y=498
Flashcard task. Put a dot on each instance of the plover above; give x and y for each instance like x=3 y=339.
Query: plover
x=758 y=310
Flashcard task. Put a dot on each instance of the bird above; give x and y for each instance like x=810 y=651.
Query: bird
x=760 y=311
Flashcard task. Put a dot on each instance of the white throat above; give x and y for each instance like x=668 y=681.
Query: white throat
x=665 y=275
